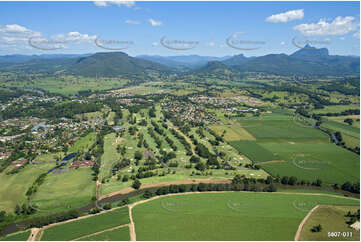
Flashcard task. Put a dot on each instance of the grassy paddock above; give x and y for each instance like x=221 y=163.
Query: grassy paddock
x=120 y=234
x=328 y=162
x=254 y=151
x=21 y=236
x=82 y=227
x=332 y=219
x=226 y=216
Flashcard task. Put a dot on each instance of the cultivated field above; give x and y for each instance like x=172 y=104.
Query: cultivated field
x=309 y=162
x=86 y=226
x=254 y=151
x=21 y=236
x=283 y=129
x=226 y=216
x=120 y=234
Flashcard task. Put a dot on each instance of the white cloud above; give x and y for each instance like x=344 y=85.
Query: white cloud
x=339 y=26
x=282 y=43
x=286 y=16
x=14 y=34
x=342 y=38
x=211 y=44
x=127 y=3
x=131 y=22
x=154 y=22
x=356 y=34
x=74 y=37
x=100 y=4
x=154 y=44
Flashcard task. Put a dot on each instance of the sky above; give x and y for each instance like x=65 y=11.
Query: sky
x=178 y=28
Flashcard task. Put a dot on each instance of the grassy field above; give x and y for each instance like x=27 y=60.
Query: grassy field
x=21 y=236
x=120 y=234
x=254 y=151
x=82 y=227
x=226 y=216
x=332 y=219
x=328 y=162
x=110 y=155
x=83 y=143
x=13 y=187
x=282 y=130
x=343 y=128
x=341 y=119
x=73 y=188
x=233 y=132
x=336 y=108
x=70 y=85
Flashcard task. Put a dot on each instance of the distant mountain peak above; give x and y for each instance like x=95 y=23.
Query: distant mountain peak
x=309 y=52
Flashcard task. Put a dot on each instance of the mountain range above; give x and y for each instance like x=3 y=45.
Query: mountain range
x=308 y=61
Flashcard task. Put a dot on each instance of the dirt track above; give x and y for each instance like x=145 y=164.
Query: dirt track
x=33 y=234
x=302 y=224
x=99 y=232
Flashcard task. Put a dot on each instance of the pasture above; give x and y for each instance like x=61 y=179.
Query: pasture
x=332 y=219
x=328 y=162
x=282 y=130
x=232 y=132
x=70 y=189
x=342 y=127
x=120 y=234
x=21 y=236
x=226 y=216
x=86 y=226
x=336 y=108
x=254 y=151
x=14 y=186
x=83 y=143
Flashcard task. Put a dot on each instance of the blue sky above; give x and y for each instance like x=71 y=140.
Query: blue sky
x=252 y=28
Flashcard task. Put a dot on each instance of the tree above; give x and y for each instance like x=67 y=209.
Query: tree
x=138 y=155
x=200 y=166
x=318 y=182
x=269 y=180
x=317 y=228
x=194 y=159
x=136 y=184
x=107 y=206
x=2 y=216
x=284 y=180
x=292 y=180
x=237 y=179
x=348 y=121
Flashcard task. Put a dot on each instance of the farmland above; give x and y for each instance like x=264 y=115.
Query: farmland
x=81 y=145
x=120 y=234
x=327 y=162
x=21 y=236
x=333 y=219
x=226 y=216
x=86 y=226
x=69 y=189
x=282 y=128
x=254 y=151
